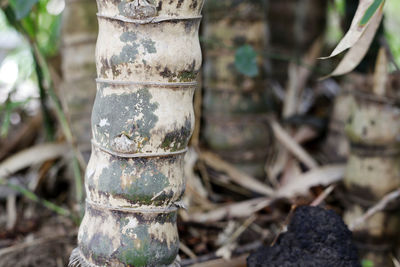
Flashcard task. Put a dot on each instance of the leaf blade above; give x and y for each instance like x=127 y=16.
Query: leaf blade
x=22 y=7
x=360 y=49
x=370 y=12
x=355 y=32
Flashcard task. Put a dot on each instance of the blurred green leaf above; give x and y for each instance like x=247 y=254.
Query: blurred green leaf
x=246 y=61
x=22 y=7
x=367 y=263
x=371 y=11
x=7 y=110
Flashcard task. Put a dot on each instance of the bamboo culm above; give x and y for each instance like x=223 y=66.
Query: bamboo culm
x=78 y=88
x=294 y=26
x=373 y=170
x=148 y=57
x=235 y=105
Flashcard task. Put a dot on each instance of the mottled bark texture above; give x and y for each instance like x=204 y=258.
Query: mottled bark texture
x=294 y=26
x=148 y=56
x=336 y=147
x=79 y=33
x=234 y=106
x=373 y=169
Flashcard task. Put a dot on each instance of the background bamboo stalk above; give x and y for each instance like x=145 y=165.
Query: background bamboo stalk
x=294 y=26
x=148 y=57
x=373 y=171
x=235 y=105
x=78 y=89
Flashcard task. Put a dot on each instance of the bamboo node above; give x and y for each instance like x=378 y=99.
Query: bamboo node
x=140 y=9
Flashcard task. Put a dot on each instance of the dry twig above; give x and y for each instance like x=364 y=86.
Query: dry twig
x=298 y=151
x=236 y=175
x=381 y=205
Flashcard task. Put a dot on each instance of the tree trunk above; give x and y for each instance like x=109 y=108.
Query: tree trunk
x=337 y=144
x=373 y=170
x=294 y=26
x=148 y=57
x=235 y=105
x=79 y=33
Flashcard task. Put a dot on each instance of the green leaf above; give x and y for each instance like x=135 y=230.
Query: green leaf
x=22 y=7
x=371 y=11
x=8 y=109
x=246 y=61
x=367 y=263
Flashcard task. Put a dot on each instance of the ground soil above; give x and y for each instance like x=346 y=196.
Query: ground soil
x=315 y=237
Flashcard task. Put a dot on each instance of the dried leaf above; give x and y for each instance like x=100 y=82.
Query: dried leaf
x=356 y=29
x=358 y=51
x=236 y=262
x=321 y=176
x=381 y=73
x=31 y=156
x=236 y=210
x=298 y=151
x=234 y=174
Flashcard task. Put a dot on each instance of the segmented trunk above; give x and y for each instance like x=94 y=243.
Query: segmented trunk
x=294 y=26
x=234 y=106
x=148 y=56
x=79 y=32
x=373 y=170
x=336 y=146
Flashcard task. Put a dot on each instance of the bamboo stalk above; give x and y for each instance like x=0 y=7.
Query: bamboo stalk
x=235 y=105
x=78 y=87
x=373 y=171
x=147 y=57
x=294 y=26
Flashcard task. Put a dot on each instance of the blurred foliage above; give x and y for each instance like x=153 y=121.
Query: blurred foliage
x=6 y=110
x=33 y=20
x=246 y=61
x=392 y=28
x=370 y=12
x=40 y=33
x=367 y=263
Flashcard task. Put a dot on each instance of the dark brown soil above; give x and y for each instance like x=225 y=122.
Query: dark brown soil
x=315 y=237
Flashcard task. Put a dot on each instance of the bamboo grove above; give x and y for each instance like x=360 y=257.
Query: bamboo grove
x=148 y=57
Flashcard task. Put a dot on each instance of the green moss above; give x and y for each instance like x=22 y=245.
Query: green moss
x=149 y=182
x=177 y=140
x=130 y=107
x=187 y=76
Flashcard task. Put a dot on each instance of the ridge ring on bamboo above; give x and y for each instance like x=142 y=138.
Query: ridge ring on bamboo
x=138 y=155
x=159 y=84
x=145 y=210
x=148 y=20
